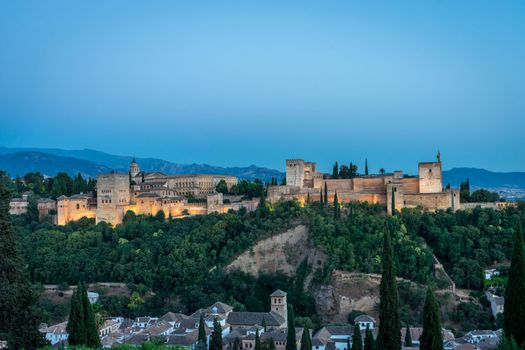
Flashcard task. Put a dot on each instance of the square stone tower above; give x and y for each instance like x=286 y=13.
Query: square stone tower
x=279 y=304
x=430 y=178
x=113 y=196
x=295 y=172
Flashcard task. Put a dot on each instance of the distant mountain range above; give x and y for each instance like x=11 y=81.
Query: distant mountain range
x=50 y=161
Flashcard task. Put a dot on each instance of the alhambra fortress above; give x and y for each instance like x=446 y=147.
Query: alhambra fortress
x=426 y=190
x=195 y=194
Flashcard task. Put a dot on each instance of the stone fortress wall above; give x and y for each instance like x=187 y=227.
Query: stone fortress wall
x=424 y=191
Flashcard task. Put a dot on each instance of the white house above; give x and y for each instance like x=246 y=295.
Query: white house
x=56 y=334
x=365 y=321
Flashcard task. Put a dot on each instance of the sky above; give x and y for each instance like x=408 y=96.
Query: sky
x=236 y=83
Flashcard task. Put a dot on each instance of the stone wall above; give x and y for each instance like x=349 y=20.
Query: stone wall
x=430 y=178
x=295 y=172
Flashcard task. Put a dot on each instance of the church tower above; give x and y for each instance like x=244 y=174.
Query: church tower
x=134 y=168
x=279 y=304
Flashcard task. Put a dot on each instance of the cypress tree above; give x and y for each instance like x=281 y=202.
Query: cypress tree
x=514 y=314
x=306 y=341
x=19 y=313
x=257 y=340
x=366 y=166
x=202 y=332
x=308 y=198
x=388 y=337
x=393 y=202
x=263 y=323
x=321 y=198
x=357 y=342
x=325 y=194
x=75 y=326
x=92 y=338
x=237 y=344
x=269 y=344
x=369 y=339
x=408 y=336
x=216 y=336
x=335 y=171
x=432 y=337
x=336 y=206
x=291 y=341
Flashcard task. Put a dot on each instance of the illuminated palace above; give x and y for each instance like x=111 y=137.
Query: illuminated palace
x=149 y=193
x=425 y=190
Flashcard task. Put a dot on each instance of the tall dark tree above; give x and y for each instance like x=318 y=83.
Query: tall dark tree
x=237 y=344
x=335 y=171
x=336 y=206
x=432 y=337
x=321 y=201
x=202 y=332
x=306 y=341
x=257 y=340
x=357 y=342
x=263 y=323
x=325 y=194
x=92 y=338
x=393 y=204
x=408 y=336
x=370 y=343
x=76 y=327
x=291 y=341
x=366 y=166
x=19 y=313
x=514 y=314
x=388 y=337
x=216 y=336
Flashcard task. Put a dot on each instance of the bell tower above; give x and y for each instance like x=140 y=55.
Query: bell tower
x=279 y=304
x=134 y=168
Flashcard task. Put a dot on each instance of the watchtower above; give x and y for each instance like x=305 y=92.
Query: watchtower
x=279 y=304
x=295 y=172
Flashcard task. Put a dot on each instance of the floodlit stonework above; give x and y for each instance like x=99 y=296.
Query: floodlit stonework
x=425 y=190
x=149 y=193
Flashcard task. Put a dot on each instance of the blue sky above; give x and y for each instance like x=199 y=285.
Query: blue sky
x=256 y=82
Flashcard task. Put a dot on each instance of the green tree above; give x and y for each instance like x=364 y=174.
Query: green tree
x=506 y=343
x=335 y=171
x=408 y=336
x=321 y=198
x=92 y=338
x=222 y=187
x=337 y=212
x=76 y=327
x=263 y=324
x=269 y=344
x=216 y=336
x=306 y=341
x=369 y=340
x=514 y=314
x=366 y=166
x=257 y=340
x=19 y=314
x=357 y=342
x=291 y=341
x=202 y=331
x=325 y=194
x=388 y=337
x=393 y=204
x=432 y=337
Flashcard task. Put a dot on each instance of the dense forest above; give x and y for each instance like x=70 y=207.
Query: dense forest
x=181 y=260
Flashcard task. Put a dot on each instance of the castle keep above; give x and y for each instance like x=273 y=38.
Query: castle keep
x=425 y=190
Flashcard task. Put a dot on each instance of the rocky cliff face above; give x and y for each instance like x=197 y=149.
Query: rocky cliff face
x=283 y=252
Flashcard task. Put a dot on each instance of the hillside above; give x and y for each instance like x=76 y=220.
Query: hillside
x=484 y=178
x=14 y=161
x=21 y=163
